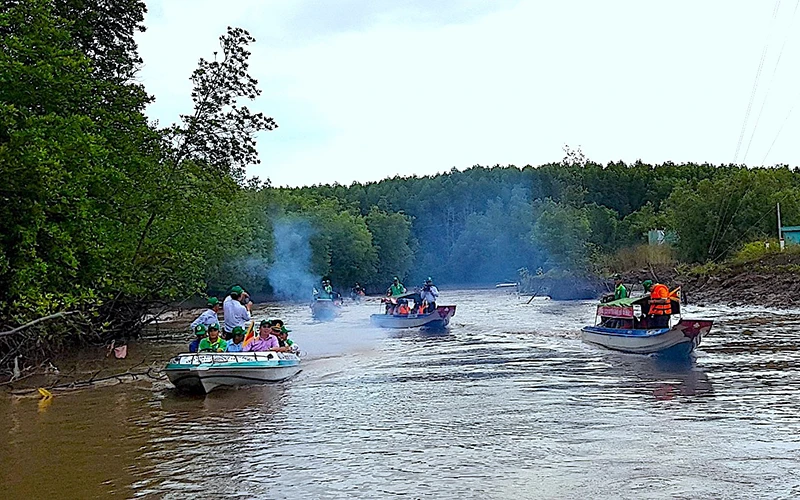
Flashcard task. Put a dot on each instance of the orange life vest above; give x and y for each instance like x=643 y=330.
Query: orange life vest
x=660 y=291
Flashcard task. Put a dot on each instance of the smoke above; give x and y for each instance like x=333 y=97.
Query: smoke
x=290 y=275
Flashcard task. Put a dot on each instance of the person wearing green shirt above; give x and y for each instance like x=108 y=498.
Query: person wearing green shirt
x=620 y=292
x=397 y=289
x=213 y=342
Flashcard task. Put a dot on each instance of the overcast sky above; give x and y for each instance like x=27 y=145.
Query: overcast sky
x=367 y=89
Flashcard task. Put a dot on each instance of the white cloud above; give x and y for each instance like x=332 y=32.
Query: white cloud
x=367 y=90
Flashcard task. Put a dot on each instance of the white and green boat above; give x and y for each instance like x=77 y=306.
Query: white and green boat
x=205 y=371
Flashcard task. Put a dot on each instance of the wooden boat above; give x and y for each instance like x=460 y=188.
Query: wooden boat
x=326 y=309
x=618 y=330
x=439 y=318
x=205 y=371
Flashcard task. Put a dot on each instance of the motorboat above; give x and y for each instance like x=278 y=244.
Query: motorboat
x=620 y=330
x=438 y=318
x=326 y=309
x=205 y=371
x=395 y=317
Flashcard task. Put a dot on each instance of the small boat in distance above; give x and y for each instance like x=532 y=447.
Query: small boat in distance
x=403 y=312
x=617 y=330
x=506 y=285
x=439 y=318
x=202 y=372
x=326 y=309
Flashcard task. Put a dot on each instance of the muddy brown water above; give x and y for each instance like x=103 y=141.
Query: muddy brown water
x=509 y=403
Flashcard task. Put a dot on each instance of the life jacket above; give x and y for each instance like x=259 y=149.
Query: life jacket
x=403 y=309
x=660 y=291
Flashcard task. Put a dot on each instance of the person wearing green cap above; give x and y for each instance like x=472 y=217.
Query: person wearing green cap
x=429 y=294
x=200 y=334
x=620 y=292
x=213 y=342
x=209 y=316
x=234 y=312
x=396 y=289
x=235 y=344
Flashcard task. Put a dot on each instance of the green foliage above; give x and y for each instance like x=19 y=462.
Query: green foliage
x=564 y=231
x=391 y=237
x=102 y=213
x=714 y=217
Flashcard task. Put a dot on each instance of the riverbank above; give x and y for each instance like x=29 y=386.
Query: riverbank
x=769 y=281
x=766 y=281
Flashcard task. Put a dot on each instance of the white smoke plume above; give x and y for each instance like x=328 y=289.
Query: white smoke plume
x=290 y=276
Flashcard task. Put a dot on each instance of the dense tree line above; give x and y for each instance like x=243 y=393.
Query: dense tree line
x=105 y=214
x=483 y=225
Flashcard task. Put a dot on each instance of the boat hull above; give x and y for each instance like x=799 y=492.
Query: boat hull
x=678 y=341
x=204 y=372
x=439 y=318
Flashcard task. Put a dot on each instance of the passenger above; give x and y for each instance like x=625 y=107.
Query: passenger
x=279 y=322
x=396 y=289
x=214 y=343
x=429 y=294
x=209 y=316
x=278 y=332
x=235 y=313
x=200 y=334
x=620 y=291
x=403 y=308
x=235 y=345
x=660 y=305
x=265 y=341
x=391 y=305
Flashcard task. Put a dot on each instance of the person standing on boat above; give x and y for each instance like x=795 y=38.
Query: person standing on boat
x=396 y=289
x=213 y=342
x=209 y=316
x=235 y=313
x=620 y=291
x=429 y=294
x=200 y=334
x=660 y=305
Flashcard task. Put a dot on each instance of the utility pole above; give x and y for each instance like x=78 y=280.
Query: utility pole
x=780 y=234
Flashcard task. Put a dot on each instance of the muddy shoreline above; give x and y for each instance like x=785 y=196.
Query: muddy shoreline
x=769 y=282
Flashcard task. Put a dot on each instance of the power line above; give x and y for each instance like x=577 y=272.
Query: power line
x=785 y=120
x=771 y=80
x=755 y=82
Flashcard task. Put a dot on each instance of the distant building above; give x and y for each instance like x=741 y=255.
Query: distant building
x=791 y=234
x=661 y=237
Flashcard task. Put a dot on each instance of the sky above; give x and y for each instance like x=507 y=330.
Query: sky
x=368 y=89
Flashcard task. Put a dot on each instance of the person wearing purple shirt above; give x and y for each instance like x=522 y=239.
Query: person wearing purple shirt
x=266 y=341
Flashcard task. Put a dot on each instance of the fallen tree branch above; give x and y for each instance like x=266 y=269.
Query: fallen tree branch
x=46 y=318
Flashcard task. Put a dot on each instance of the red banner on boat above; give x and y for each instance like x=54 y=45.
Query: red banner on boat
x=615 y=312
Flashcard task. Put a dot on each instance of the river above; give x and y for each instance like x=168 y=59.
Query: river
x=509 y=403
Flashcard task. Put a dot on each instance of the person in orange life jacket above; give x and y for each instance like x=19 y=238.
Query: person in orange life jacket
x=403 y=308
x=660 y=305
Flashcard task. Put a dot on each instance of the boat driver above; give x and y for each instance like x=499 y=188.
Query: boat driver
x=660 y=305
